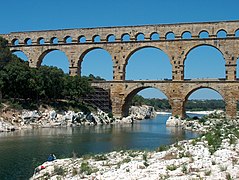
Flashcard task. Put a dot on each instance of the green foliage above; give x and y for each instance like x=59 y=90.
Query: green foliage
x=171 y=167
x=214 y=140
x=59 y=170
x=22 y=84
x=85 y=168
x=100 y=157
x=162 y=148
x=192 y=105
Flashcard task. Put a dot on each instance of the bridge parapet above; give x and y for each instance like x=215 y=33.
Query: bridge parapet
x=105 y=34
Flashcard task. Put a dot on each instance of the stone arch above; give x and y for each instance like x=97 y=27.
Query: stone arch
x=54 y=40
x=237 y=33
x=140 y=37
x=15 y=42
x=44 y=53
x=198 y=45
x=140 y=48
x=28 y=41
x=186 y=35
x=82 y=39
x=221 y=33
x=170 y=36
x=204 y=45
x=96 y=38
x=23 y=54
x=40 y=40
x=198 y=87
x=68 y=39
x=85 y=52
x=110 y=38
x=154 y=36
x=203 y=34
x=125 y=37
x=129 y=94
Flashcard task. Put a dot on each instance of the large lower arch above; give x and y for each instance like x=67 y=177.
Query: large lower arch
x=20 y=54
x=154 y=59
x=204 y=61
x=96 y=61
x=129 y=96
x=215 y=94
x=54 y=57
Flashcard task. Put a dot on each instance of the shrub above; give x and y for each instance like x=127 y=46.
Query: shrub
x=59 y=170
x=171 y=167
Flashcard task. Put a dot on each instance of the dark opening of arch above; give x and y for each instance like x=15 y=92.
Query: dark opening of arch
x=15 y=42
x=82 y=39
x=68 y=39
x=41 y=41
x=28 y=41
x=54 y=40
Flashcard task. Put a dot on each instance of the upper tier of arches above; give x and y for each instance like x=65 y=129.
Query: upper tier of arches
x=168 y=32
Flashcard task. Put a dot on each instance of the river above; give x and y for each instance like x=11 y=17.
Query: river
x=21 y=151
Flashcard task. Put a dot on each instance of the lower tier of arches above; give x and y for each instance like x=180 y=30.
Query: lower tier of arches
x=121 y=92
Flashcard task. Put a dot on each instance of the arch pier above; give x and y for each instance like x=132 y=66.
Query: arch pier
x=175 y=40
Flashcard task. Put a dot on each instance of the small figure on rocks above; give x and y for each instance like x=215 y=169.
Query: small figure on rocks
x=51 y=157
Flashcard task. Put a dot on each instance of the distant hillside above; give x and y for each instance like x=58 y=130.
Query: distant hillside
x=163 y=104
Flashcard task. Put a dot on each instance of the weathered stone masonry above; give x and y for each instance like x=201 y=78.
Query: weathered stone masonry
x=76 y=43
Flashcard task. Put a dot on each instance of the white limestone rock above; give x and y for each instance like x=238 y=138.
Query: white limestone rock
x=173 y=122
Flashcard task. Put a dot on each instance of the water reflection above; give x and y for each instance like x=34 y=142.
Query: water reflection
x=19 y=150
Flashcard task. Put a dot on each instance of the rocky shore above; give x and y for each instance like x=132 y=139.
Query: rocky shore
x=11 y=120
x=214 y=155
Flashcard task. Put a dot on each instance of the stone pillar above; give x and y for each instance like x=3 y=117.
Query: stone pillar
x=231 y=108
x=74 y=71
x=230 y=72
x=178 y=108
x=74 y=62
x=117 y=100
x=178 y=71
x=118 y=57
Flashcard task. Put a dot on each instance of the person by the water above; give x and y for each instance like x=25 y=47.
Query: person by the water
x=51 y=157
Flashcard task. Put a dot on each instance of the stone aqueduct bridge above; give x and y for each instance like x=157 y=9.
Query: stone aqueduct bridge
x=76 y=43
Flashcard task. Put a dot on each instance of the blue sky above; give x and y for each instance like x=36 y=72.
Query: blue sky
x=28 y=15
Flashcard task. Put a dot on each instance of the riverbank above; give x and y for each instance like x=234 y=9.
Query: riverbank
x=12 y=119
x=215 y=155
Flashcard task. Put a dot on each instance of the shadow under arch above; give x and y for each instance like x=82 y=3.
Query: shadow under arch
x=131 y=93
x=20 y=54
x=60 y=64
x=195 y=89
x=94 y=53
x=212 y=53
x=159 y=52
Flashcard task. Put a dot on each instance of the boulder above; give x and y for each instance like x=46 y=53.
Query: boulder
x=173 y=122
